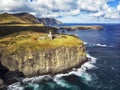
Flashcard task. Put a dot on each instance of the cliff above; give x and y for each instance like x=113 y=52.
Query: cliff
x=35 y=54
x=49 y=21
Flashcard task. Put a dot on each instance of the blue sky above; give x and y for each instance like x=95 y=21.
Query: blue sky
x=68 y=11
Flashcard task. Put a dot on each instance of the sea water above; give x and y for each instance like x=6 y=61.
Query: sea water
x=102 y=72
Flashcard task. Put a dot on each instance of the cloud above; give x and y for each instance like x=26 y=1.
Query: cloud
x=13 y=5
x=91 y=5
x=118 y=8
x=83 y=9
x=108 y=12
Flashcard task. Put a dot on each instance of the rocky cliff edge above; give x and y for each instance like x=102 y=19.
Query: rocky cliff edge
x=35 y=54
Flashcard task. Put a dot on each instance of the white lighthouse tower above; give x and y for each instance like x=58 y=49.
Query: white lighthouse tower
x=50 y=35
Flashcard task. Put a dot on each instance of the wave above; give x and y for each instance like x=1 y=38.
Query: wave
x=81 y=72
x=57 y=78
x=85 y=43
x=97 y=44
x=15 y=86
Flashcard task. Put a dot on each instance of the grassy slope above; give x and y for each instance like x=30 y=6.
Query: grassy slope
x=30 y=41
x=18 y=18
x=7 y=18
x=24 y=25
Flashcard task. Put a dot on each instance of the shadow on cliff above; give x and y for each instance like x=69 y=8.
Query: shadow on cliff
x=9 y=77
x=5 y=30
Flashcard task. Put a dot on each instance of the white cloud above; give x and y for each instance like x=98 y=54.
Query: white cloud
x=63 y=8
x=118 y=7
x=8 y=5
x=91 y=5
x=98 y=14
x=107 y=12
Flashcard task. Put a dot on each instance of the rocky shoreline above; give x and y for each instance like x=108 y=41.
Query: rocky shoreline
x=12 y=75
x=63 y=53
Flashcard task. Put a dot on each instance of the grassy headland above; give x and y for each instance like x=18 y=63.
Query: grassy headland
x=31 y=41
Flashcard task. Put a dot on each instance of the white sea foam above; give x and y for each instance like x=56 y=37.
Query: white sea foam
x=85 y=43
x=61 y=82
x=37 y=79
x=102 y=45
x=15 y=86
x=86 y=77
x=79 y=72
x=57 y=78
x=97 y=44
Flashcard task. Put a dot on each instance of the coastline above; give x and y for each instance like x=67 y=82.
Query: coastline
x=52 y=61
x=44 y=78
x=4 y=86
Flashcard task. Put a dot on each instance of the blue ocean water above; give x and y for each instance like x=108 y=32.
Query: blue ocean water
x=101 y=73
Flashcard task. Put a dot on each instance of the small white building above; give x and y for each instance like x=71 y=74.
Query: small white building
x=50 y=35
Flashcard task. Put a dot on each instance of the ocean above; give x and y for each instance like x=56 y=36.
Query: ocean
x=102 y=72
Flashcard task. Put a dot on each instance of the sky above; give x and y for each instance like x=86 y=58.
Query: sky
x=68 y=11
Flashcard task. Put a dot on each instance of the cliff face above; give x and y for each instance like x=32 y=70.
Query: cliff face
x=35 y=53
x=45 y=61
x=49 y=21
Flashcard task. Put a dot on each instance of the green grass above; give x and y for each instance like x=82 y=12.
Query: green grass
x=30 y=41
x=22 y=24
x=7 y=18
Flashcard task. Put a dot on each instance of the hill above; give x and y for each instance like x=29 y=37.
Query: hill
x=18 y=18
x=28 y=18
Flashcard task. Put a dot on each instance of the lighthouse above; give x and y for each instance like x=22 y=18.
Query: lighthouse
x=50 y=35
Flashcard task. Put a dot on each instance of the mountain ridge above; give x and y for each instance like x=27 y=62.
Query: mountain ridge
x=24 y=17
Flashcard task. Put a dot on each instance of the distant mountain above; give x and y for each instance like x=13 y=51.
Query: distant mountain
x=18 y=18
x=26 y=18
x=49 y=21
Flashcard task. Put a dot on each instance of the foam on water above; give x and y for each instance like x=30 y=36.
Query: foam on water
x=15 y=86
x=62 y=82
x=81 y=72
x=85 y=43
x=37 y=79
x=97 y=44
x=86 y=77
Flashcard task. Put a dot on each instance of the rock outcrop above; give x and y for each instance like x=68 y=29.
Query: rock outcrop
x=1 y=82
x=49 y=21
x=53 y=56
x=45 y=61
